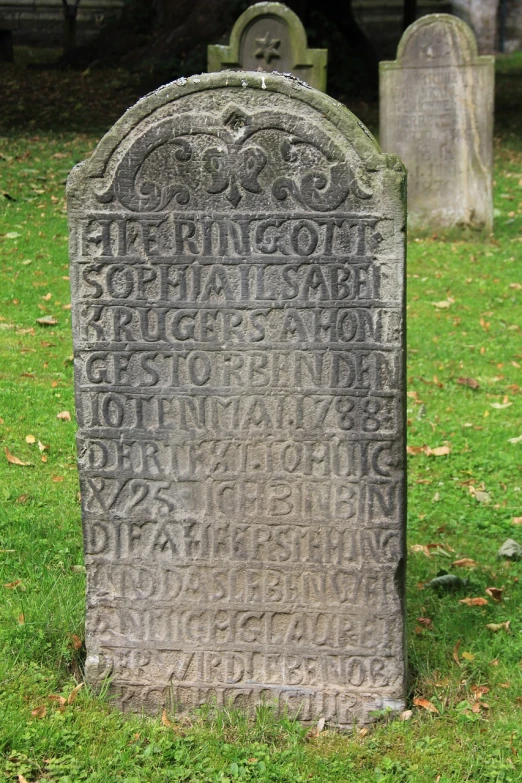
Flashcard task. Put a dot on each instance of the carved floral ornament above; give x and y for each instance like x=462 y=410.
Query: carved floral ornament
x=238 y=154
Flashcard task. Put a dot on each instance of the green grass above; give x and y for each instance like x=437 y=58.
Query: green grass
x=41 y=618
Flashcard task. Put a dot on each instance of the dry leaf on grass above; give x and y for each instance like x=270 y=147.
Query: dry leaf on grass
x=516 y=521
x=12 y=585
x=468 y=656
x=47 y=320
x=64 y=416
x=444 y=304
x=406 y=715
x=39 y=712
x=471 y=382
x=14 y=460
x=164 y=719
x=43 y=446
x=30 y=439
x=76 y=641
x=425 y=704
x=21 y=779
x=499 y=406
x=465 y=562
x=456 y=652
x=495 y=627
x=479 y=494
x=427 y=622
x=438 y=451
x=74 y=693
x=316 y=730
x=474 y=601
x=495 y=593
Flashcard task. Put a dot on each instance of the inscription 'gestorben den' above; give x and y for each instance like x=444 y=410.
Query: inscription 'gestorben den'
x=237 y=263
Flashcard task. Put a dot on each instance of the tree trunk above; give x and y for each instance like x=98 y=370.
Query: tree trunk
x=70 y=13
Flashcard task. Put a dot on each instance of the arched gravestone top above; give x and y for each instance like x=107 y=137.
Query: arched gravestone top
x=237 y=273
x=270 y=37
x=437 y=40
x=436 y=113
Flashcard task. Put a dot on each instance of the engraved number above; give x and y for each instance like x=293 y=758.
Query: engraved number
x=370 y=422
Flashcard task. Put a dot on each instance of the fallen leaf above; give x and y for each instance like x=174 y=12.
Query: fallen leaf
x=47 y=296
x=515 y=440
x=495 y=593
x=12 y=585
x=64 y=416
x=66 y=307
x=39 y=712
x=425 y=704
x=12 y=235
x=30 y=439
x=516 y=521
x=474 y=602
x=510 y=550
x=62 y=701
x=14 y=460
x=21 y=779
x=456 y=652
x=43 y=446
x=439 y=451
x=479 y=494
x=57 y=479
x=427 y=622
x=494 y=662
x=471 y=382
x=444 y=304
x=468 y=656
x=476 y=708
x=74 y=693
x=479 y=690
x=22 y=498
x=504 y=685
x=164 y=719
x=495 y=627
x=21 y=619
x=499 y=406
x=516 y=286
x=76 y=641
x=406 y=715
x=316 y=730
x=465 y=562
x=47 y=320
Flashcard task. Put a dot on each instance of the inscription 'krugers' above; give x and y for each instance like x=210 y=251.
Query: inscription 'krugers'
x=237 y=291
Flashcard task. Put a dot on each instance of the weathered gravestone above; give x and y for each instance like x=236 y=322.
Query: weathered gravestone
x=437 y=115
x=237 y=254
x=270 y=37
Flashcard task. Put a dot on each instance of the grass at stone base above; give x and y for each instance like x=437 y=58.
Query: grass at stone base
x=464 y=322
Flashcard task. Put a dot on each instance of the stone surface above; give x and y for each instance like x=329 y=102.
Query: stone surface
x=436 y=113
x=270 y=37
x=237 y=270
x=481 y=16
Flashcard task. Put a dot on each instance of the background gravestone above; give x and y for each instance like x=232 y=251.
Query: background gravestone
x=270 y=37
x=237 y=272
x=436 y=113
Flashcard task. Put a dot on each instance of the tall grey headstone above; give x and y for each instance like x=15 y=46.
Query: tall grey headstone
x=237 y=271
x=270 y=37
x=436 y=113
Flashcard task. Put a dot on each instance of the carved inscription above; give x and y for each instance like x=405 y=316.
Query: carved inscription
x=436 y=113
x=238 y=348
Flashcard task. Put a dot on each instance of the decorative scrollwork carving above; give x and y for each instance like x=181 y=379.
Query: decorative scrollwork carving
x=316 y=175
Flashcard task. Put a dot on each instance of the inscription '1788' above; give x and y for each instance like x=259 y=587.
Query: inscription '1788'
x=237 y=278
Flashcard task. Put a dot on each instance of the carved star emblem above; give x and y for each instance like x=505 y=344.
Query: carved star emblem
x=267 y=47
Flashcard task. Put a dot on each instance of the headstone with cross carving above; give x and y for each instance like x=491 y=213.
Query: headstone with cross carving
x=270 y=37
x=237 y=272
x=436 y=106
